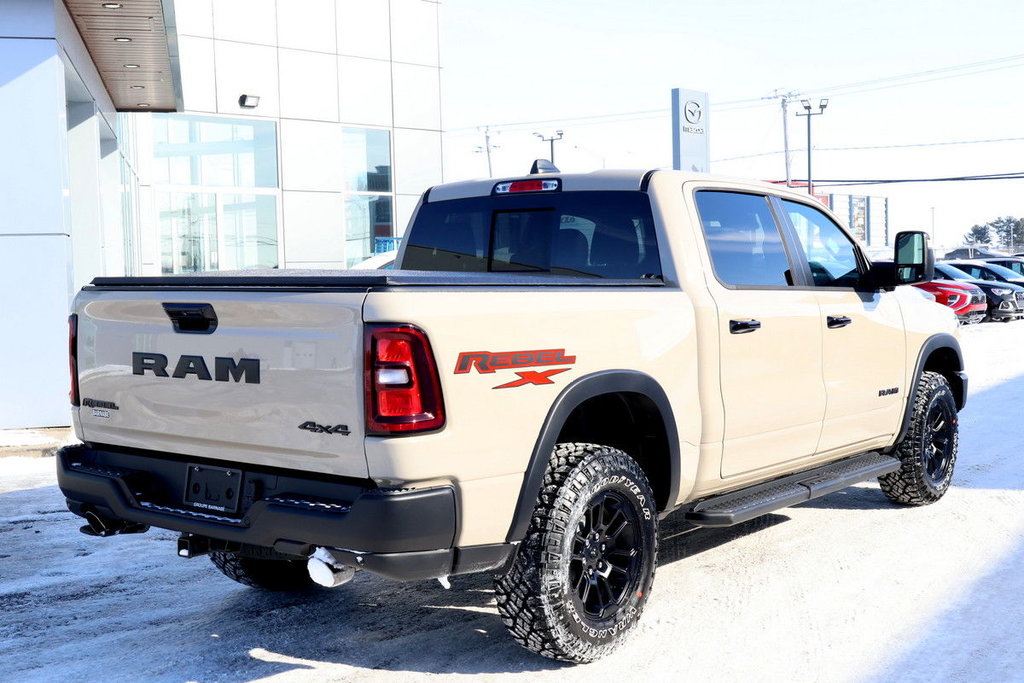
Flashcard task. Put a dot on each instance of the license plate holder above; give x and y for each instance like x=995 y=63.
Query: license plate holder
x=213 y=488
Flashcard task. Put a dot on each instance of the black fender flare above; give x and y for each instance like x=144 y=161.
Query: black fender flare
x=932 y=344
x=582 y=389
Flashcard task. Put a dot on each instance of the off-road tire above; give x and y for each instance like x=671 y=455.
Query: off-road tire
x=927 y=453
x=580 y=579
x=271 y=575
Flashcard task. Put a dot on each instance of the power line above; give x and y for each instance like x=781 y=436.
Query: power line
x=1013 y=175
x=857 y=87
x=867 y=147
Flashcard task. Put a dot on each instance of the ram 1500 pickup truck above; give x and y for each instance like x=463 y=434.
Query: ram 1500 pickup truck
x=558 y=362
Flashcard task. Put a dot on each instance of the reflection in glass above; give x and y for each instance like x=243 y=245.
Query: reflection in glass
x=366 y=218
x=250 y=232
x=203 y=150
x=366 y=160
x=188 y=232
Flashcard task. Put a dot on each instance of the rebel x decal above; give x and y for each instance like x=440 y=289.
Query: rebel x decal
x=486 y=362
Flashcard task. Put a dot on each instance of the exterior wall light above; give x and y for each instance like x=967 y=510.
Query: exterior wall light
x=249 y=101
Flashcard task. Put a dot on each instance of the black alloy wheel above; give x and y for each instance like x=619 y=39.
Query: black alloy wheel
x=939 y=450
x=605 y=562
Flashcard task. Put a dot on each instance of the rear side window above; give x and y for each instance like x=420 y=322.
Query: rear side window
x=586 y=234
x=743 y=239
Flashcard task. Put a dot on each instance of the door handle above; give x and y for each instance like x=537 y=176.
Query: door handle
x=837 y=321
x=744 y=326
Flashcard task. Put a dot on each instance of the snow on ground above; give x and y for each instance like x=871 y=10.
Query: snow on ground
x=845 y=588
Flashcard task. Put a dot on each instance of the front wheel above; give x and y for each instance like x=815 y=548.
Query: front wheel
x=928 y=451
x=581 y=578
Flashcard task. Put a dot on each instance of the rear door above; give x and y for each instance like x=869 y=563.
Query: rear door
x=770 y=336
x=241 y=376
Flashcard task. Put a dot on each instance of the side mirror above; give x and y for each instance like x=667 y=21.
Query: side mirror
x=913 y=258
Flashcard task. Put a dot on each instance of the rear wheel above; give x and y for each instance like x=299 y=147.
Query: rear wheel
x=927 y=453
x=268 y=574
x=581 y=578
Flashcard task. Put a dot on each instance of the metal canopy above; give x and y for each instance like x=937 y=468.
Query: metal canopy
x=140 y=73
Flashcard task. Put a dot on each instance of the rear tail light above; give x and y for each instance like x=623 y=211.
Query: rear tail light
x=73 y=357
x=403 y=390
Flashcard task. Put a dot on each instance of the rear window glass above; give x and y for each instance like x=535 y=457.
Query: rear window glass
x=587 y=234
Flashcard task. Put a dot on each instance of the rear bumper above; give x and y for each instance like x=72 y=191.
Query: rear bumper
x=403 y=534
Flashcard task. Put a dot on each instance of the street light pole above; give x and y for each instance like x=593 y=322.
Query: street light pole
x=556 y=136
x=808 y=113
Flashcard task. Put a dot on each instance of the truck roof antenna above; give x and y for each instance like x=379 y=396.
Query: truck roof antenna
x=543 y=166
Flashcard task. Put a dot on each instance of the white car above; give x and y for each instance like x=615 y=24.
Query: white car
x=385 y=261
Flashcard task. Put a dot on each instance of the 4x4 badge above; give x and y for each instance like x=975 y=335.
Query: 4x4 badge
x=325 y=429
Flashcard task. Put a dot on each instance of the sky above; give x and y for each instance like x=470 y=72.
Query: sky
x=602 y=72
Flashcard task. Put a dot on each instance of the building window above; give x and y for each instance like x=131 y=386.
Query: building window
x=369 y=227
x=204 y=150
x=216 y=192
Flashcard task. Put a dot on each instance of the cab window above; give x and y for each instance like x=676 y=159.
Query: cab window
x=743 y=239
x=831 y=254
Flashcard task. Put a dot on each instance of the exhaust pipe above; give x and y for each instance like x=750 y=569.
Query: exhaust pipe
x=101 y=526
x=326 y=571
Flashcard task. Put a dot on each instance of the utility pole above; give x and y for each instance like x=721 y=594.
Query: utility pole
x=551 y=140
x=486 y=149
x=808 y=113
x=784 y=98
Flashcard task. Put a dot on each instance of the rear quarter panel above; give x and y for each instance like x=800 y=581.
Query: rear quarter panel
x=490 y=432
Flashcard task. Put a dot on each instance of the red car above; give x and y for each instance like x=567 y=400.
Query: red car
x=966 y=300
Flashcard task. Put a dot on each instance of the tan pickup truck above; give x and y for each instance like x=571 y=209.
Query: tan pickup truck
x=558 y=362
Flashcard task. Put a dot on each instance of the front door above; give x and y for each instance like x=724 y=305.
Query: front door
x=864 y=345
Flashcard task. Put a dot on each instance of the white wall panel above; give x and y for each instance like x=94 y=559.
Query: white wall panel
x=33 y=363
x=405 y=205
x=417 y=94
x=198 y=77
x=27 y=19
x=309 y=85
x=247 y=21
x=33 y=171
x=307 y=25
x=310 y=156
x=313 y=228
x=414 y=31
x=364 y=28
x=194 y=18
x=246 y=69
x=364 y=89
x=417 y=160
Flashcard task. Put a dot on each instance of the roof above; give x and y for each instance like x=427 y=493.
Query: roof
x=134 y=45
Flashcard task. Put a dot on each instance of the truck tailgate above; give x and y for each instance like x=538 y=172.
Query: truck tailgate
x=278 y=382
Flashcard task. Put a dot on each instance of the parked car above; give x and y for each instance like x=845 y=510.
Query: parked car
x=1014 y=263
x=968 y=301
x=384 y=261
x=982 y=270
x=1005 y=301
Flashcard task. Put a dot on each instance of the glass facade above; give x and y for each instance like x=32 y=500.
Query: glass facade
x=216 y=193
x=369 y=199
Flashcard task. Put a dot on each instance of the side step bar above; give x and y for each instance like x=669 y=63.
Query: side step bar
x=743 y=505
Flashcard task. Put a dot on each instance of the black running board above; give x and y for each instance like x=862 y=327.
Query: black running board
x=746 y=504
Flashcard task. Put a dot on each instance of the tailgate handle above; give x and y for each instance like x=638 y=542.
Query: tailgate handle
x=189 y=318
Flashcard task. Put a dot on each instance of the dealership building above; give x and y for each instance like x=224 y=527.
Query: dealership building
x=146 y=137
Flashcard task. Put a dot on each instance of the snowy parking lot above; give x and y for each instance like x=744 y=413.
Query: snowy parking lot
x=844 y=588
